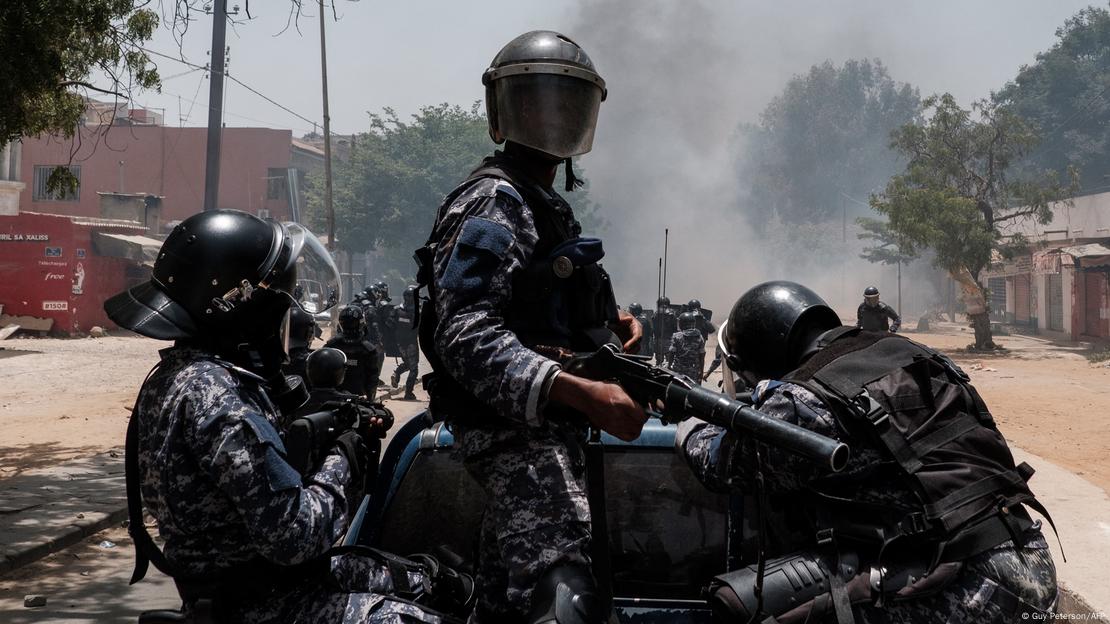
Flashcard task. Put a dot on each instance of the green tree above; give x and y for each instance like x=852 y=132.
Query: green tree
x=1064 y=95
x=386 y=194
x=957 y=195
x=823 y=140
x=49 y=49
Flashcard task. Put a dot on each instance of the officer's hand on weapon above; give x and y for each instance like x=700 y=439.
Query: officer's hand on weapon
x=629 y=330
x=376 y=420
x=606 y=405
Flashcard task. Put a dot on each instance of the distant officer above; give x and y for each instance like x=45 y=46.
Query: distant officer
x=302 y=331
x=705 y=326
x=326 y=369
x=666 y=324
x=873 y=314
x=714 y=364
x=405 y=333
x=385 y=314
x=686 y=353
x=362 y=355
x=647 y=343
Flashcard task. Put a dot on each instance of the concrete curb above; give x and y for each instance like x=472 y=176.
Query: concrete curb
x=91 y=524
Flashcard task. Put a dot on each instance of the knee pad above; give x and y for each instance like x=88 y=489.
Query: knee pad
x=567 y=594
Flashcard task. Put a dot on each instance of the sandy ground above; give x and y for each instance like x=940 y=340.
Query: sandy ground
x=67 y=398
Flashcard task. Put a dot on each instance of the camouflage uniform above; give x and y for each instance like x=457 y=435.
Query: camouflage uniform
x=531 y=467
x=686 y=355
x=214 y=475
x=716 y=457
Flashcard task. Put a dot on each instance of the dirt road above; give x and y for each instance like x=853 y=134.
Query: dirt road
x=67 y=398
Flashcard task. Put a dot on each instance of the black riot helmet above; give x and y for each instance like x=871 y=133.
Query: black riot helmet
x=662 y=303
x=635 y=309
x=771 y=327
x=694 y=305
x=302 y=328
x=871 y=296
x=218 y=273
x=352 y=322
x=408 y=297
x=688 y=320
x=543 y=92
x=381 y=290
x=326 y=368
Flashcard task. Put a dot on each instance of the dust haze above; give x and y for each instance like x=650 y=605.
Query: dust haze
x=682 y=78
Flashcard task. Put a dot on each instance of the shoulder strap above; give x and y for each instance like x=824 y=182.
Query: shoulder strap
x=146 y=551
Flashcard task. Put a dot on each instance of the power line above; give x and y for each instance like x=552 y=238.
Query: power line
x=240 y=83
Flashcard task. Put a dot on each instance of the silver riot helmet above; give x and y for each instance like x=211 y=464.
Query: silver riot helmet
x=543 y=92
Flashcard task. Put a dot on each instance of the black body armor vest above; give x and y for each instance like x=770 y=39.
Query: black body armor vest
x=557 y=304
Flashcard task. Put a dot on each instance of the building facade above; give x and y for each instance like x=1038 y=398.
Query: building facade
x=1060 y=285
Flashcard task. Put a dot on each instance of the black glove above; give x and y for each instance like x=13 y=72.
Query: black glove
x=351 y=445
x=448 y=589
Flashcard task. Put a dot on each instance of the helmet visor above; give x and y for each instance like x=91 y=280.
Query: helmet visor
x=555 y=114
x=311 y=279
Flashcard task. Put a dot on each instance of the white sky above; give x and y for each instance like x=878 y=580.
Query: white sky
x=417 y=52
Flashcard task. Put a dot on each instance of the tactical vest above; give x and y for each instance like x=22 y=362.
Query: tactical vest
x=936 y=433
x=563 y=299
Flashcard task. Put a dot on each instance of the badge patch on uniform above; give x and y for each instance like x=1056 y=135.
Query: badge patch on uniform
x=481 y=246
x=562 y=267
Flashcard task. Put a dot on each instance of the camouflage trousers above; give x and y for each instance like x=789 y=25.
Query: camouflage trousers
x=537 y=517
x=354 y=592
x=410 y=363
x=690 y=367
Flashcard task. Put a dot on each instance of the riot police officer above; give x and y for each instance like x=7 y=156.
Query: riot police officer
x=246 y=537
x=405 y=333
x=923 y=529
x=686 y=354
x=514 y=286
x=873 y=315
x=302 y=331
x=705 y=318
x=666 y=324
x=647 y=343
x=384 y=315
x=362 y=355
x=326 y=369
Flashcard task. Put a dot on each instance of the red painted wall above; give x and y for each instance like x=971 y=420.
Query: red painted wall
x=71 y=284
x=164 y=161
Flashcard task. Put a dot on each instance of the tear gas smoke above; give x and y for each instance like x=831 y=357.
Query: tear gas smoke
x=665 y=156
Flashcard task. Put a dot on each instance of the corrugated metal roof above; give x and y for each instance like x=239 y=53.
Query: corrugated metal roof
x=94 y=221
x=1086 y=251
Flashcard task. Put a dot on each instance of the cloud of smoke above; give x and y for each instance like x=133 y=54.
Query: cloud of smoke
x=665 y=156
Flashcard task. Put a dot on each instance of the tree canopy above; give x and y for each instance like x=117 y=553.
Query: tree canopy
x=1064 y=95
x=386 y=194
x=825 y=137
x=958 y=193
x=48 y=50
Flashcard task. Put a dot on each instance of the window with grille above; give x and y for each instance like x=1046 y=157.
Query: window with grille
x=42 y=192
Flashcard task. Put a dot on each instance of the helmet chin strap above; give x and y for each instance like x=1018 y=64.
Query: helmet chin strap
x=572 y=182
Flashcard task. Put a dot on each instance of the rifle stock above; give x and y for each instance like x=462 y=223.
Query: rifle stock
x=676 y=398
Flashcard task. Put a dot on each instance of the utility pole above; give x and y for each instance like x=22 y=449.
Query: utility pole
x=215 y=105
x=327 y=135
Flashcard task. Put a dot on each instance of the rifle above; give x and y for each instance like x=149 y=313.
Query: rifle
x=309 y=438
x=679 y=398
